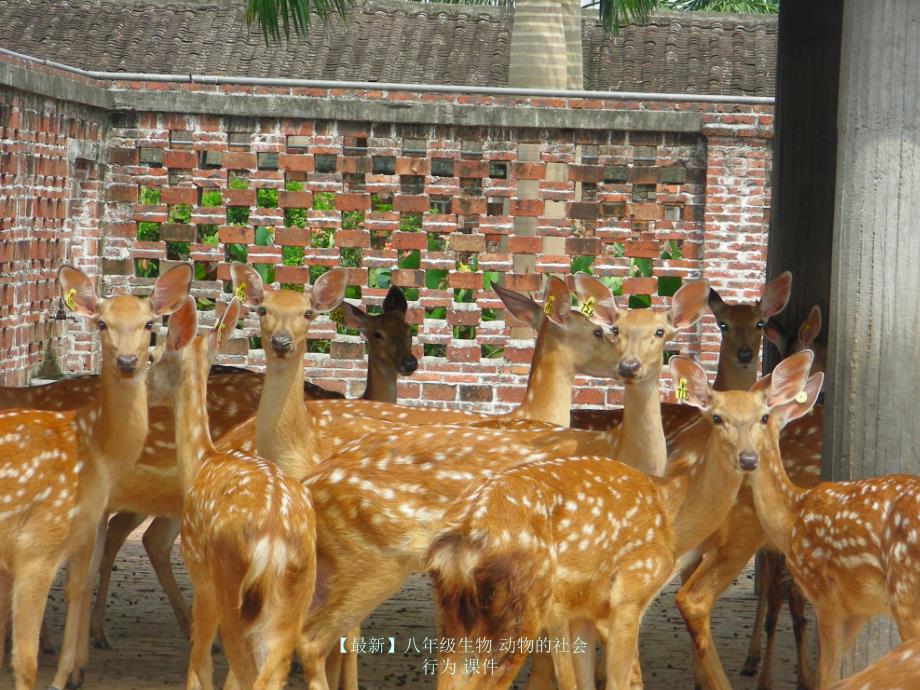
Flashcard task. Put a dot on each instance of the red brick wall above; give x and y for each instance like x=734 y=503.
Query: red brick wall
x=431 y=208
x=49 y=213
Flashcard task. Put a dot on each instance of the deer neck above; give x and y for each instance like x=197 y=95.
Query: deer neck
x=698 y=493
x=548 y=397
x=117 y=424
x=776 y=498
x=734 y=376
x=381 y=381
x=193 y=436
x=283 y=424
x=640 y=436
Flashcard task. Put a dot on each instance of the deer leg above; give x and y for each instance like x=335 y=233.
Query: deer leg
x=630 y=597
x=583 y=629
x=158 y=541
x=756 y=643
x=76 y=590
x=204 y=629
x=806 y=678
x=775 y=590
x=235 y=643
x=541 y=672
x=830 y=642
x=117 y=531
x=30 y=594
x=350 y=662
x=6 y=593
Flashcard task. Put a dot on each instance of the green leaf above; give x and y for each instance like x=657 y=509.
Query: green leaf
x=211 y=198
x=582 y=263
x=411 y=260
x=264 y=237
x=267 y=198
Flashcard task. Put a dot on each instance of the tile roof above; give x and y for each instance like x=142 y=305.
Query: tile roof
x=388 y=41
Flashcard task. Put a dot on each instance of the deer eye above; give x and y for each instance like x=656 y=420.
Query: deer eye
x=261 y=311
x=615 y=330
x=598 y=333
x=102 y=325
x=309 y=314
x=723 y=326
x=149 y=325
x=716 y=419
x=659 y=333
x=378 y=335
x=760 y=324
x=765 y=419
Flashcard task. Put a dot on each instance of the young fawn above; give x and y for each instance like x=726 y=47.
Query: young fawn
x=897 y=670
x=566 y=543
x=247 y=530
x=60 y=467
x=852 y=547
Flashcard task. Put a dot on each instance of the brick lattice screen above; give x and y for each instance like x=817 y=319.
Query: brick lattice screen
x=432 y=208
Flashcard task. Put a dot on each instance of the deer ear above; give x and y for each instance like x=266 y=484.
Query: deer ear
x=329 y=290
x=247 y=284
x=595 y=299
x=802 y=403
x=716 y=305
x=78 y=291
x=354 y=317
x=225 y=325
x=776 y=335
x=171 y=289
x=183 y=325
x=521 y=307
x=395 y=301
x=789 y=377
x=811 y=327
x=691 y=385
x=557 y=301
x=775 y=295
x=689 y=303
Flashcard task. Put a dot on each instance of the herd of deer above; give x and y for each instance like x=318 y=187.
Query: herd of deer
x=306 y=515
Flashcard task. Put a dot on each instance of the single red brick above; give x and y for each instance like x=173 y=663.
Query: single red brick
x=471 y=280
x=180 y=160
x=413 y=166
x=463 y=317
x=583 y=246
x=299 y=162
x=648 y=211
x=403 y=277
x=295 y=199
x=121 y=192
x=528 y=171
x=644 y=175
x=352 y=202
x=438 y=391
x=235 y=234
x=179 y=195
x=642 y=249
x=525 y=245
x=292 y=274
x=468 y=206
x=238 y=160
x=460 y=242
x=123 y=156
x=464 y=168
x=526 y=207
x=239 y=197
x=295 y=237
x=347 y=350
x=475 y=393
x=584 y=210
x=353 y=238
x=640 y=286
x=586 y=173
x=409 y=240
x=411 y=203
x=522 y=282
x=353 y=164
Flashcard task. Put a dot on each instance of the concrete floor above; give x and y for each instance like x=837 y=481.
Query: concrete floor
x=148 y=651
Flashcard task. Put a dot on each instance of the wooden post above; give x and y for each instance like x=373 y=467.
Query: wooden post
x=873 y=407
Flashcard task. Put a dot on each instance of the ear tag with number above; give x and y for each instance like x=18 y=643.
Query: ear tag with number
x=548 y=307
x=70 y=299
x=682 y=392
x=801 y=397
x=240 y=292
x=588 y=307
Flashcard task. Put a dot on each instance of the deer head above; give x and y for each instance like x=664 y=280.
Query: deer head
x=389 y=337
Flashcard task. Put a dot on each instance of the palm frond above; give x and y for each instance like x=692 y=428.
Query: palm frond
x=275 y=17
x=613 y=13
x=736 y=6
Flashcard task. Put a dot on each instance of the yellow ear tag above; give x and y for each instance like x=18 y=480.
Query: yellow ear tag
x=70 y=298
x=548 y=307
x=240 y=292
x=801 y=397
x=682 y=392
x=588 y=307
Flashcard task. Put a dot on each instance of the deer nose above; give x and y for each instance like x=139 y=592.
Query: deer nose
x=409 y=364
x=747 y=460
x=282 y=343
x=127 y=364
x=628 y=368
x=745 y=355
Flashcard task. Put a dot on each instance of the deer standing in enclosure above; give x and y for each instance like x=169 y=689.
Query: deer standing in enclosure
x=61 y=466
x=853 y=548
x=565 y=544
x=247 y=530
x=153 y=487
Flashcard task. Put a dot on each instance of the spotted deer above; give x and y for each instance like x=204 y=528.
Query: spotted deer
x=897 y=670
x=233 y=397
x=60 y=466
x=852 y=547
x=247 y=530
x=563 y=544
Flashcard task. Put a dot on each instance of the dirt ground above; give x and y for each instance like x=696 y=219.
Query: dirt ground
x=148 y=651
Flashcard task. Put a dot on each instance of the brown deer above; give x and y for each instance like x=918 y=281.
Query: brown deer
x=247 y=530
x=233 y=396
x=897 y=670
x=565 y=544
x=852 y=547
x=60 y=467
